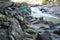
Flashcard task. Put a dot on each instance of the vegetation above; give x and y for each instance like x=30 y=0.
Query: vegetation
x=46 y=1
x=5 y=18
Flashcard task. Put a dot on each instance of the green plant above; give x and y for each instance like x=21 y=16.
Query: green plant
x=47 y=1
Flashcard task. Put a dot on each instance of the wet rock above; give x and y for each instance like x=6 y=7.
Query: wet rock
x=15 y=29
x=28 y=35
x=20 y=17
x=6 y=23
x=28 y=27
x=55 y=10
x=11 y=13
x=1 y=15
x=3 y=34
x=39 y=37
x=44 y=35
x=57 y=32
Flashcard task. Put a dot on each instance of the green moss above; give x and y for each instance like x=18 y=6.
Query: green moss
x=7 y=17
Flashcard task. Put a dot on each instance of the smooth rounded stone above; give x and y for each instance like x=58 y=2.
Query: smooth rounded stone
x=15 y=29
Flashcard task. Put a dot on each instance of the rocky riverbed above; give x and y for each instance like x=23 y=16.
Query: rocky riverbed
x=21 y=21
